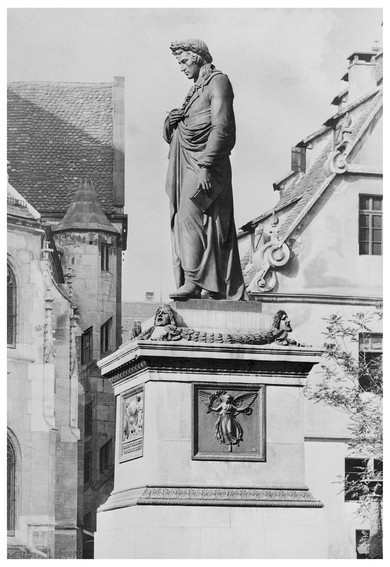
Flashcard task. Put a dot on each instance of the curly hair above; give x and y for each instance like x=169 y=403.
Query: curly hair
x=195 y=46
x=168 y=310
x=278 y=318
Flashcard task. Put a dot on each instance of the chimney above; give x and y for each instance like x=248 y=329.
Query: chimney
x=361 y=74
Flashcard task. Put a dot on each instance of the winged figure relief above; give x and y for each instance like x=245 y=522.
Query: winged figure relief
x=228 y=429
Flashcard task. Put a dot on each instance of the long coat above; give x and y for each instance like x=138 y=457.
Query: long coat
x=204 y=244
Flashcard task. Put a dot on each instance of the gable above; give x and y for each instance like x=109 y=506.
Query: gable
x=267 y=243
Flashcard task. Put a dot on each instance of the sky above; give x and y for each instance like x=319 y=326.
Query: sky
x=285 y=65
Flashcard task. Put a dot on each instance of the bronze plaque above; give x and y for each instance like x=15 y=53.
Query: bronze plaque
x=228 y=422
x=132 y=424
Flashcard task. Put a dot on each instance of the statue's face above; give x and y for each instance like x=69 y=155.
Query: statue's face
x=227 y=398
x=162 y=318
x=188 y=65
x=285 y=324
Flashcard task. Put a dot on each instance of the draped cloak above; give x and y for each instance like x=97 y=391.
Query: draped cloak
x=204 y=245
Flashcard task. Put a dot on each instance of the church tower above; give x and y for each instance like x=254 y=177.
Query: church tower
x=90 y=249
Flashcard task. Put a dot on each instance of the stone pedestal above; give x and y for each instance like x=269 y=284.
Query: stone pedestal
x=210 y=445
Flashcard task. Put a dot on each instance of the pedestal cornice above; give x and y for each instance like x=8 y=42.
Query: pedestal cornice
x=211 y=496
x=139 y=355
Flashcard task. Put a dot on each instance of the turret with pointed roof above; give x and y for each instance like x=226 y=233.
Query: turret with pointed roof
x=85 y=212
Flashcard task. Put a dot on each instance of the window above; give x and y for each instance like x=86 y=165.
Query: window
x=105 y=257
x=105 y=457
x=362 y=544
x=298 y=159
x=88 y=420
x=11 y=469
x=370 y=225
x=11 y=307
x=105 y=336
x=363 y=477
x=87 y=521
x=86 y=346
x=87 y=468
x=370 y=361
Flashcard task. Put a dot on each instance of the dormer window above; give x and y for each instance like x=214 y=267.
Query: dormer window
x=298 y=159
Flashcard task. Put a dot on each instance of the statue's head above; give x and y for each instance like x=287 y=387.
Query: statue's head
x=164 y=316
x=192 y=55
x=282 y=322
x=226 y=398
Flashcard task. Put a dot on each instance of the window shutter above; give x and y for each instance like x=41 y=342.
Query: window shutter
x=298 y=159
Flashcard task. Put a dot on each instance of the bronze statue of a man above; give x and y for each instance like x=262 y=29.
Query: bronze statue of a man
x=201 y=136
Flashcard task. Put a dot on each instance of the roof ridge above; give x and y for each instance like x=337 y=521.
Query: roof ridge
x=352 y=106
x=62 y=83
x=327 y=124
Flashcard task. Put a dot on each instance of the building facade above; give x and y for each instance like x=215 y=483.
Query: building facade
x=43 y=433
x=319 y=252
x=66 y=156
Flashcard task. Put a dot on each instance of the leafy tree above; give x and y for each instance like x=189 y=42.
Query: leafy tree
x=354 y=385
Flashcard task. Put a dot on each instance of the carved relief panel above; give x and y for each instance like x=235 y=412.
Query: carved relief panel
x=132 y=424
x=228 y=422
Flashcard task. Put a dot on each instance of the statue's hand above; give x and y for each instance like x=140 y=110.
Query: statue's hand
x=175 y=116
x=204 y=180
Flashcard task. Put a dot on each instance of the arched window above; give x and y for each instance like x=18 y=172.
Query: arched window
x=11 y=470
x=11 y=307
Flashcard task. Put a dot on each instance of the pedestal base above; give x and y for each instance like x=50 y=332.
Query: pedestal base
x=210 y=459
x=210 y=532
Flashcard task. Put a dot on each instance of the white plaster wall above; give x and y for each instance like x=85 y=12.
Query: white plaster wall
x=324 y=469
x=326 y=248
x=370 y=150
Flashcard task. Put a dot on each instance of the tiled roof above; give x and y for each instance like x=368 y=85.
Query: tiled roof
x=57 y=134
x=303 y=188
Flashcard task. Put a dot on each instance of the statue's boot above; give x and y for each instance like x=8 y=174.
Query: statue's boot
x=211 y=295
x=187 y=291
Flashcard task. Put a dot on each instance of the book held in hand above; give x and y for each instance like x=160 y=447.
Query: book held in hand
x=201 y=200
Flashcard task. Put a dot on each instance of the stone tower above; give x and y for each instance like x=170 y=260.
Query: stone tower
x=90 y=250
